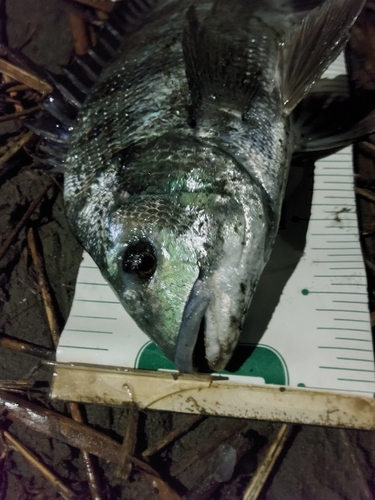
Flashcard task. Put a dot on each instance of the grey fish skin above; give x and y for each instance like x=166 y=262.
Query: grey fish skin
x=178 y=163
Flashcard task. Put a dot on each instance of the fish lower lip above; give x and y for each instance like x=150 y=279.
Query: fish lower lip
x=190 y=328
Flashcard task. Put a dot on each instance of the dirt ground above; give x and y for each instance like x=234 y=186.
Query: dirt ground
x=318 y=463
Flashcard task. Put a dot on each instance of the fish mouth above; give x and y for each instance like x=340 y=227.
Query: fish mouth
x=190 y=353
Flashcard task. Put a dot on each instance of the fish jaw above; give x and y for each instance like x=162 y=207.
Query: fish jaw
x=218 y=303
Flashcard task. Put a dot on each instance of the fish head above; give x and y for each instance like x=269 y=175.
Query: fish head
x=185 y=264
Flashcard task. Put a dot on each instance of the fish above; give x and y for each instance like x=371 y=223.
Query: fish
x=176 y=154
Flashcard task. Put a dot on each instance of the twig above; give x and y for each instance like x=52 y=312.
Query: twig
x=25 y=77
x=15 y=146
x=16 y=87
x=27 y=347
x=80 y=34
x=104 y=5
x=92 y=476
x=33 y=242
x=64 y=491
x=254 y=489
x=23 y=220
x=129 y=442
x=174 y=434
x=16 y=385
x=24 y=112
x=51 y=313
x=366 y=193
x=367 y=145
x=57 y=426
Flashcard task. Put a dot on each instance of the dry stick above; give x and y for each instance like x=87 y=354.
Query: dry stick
x=366 y=193
x=16 y=385
x=24 y=112
x=23 y=220
x=171 y=436
x=254 y=489
x=15 y=146
x=57 y=426
x=80 y=34
x=64 y=491
x=17 y=87
x=51 y=313
x=44 y=285
x=92 y=476
x=27 y=347
x=25 y=77
x=129 y=442
x=367 y=145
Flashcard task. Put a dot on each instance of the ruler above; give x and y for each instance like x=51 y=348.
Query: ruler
x=309 y=323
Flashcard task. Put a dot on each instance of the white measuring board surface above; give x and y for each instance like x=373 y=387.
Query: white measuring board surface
x=318 y=334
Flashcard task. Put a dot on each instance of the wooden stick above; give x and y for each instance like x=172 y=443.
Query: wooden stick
x=366 y=193
x=23 y=220
x=80 y=34
x=25 y=77
x=64 y=491
x=33 y=242
x=51 y=313
x=129 y=442
x=255 y=487
x=57 y=426
x=17 y=87
x=14 y=146
x=174 y=434
x=91 y=472
x=367 y=145
x=18 y=114
x=27 y=347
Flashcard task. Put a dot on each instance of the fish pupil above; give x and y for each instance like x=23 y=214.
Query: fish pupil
x=139 y=260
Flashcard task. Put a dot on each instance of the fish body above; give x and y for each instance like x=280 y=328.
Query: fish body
x=177 y=165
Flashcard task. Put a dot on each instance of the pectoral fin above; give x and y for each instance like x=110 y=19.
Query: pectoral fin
x=329 y=119
x=315 y=39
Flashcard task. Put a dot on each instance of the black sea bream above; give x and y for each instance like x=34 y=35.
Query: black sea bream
x=177 y=163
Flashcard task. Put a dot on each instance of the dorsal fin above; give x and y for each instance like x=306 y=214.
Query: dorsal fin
x=311 y=44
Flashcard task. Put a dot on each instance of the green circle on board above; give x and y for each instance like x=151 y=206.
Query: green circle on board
x=305 y=291
x=263 y=362
x=301 y=385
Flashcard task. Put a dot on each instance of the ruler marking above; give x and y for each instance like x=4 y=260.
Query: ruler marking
x=83 y=347
x=347 y=369
x=342 y=310
x=356 y=359
x=356 y=340
x=91 y=283
x=86 y=331
x=355 y=380
x=98 y=301
x=344 y=348
x=91 y=317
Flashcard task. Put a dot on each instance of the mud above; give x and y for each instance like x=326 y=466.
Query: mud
x=318 y=463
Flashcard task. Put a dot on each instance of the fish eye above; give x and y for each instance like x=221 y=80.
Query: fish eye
x=139 y=260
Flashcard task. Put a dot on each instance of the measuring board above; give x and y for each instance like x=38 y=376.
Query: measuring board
x=309 y=323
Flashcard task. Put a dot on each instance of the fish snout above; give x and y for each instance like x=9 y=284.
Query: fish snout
x=190 y=350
